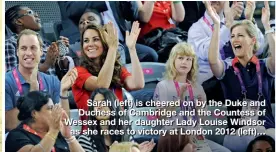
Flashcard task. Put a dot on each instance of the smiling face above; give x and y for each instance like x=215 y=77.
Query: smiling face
x=242 y=43
x=92 y=44
x=183 y=64
x=29 y=19
x=29 y=51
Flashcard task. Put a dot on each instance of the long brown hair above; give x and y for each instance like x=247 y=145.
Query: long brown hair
x=172 y=143
x=90 y=64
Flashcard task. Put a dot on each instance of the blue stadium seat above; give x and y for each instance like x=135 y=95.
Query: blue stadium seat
x=153 y=72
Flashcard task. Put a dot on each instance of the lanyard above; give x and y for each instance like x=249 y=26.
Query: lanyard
x=30 y=130
x=208 y=23
x=254 y=60
x=191 y=95
x=222 y=53
x=18 y=83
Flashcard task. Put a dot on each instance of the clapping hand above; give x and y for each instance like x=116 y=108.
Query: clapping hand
x=212 y=13
x=69 y=79
x=111 y=36
x=147 y=146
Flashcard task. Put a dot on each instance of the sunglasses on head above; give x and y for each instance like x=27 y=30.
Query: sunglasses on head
x=28 y=13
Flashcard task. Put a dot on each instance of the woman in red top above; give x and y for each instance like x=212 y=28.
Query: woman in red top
x=159 y=14
x=101 y=67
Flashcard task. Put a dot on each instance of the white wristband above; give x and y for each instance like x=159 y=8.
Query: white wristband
x=269 y=31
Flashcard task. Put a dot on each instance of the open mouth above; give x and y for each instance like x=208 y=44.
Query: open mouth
x=92 y=50
x=28 y=59
x=237 y=47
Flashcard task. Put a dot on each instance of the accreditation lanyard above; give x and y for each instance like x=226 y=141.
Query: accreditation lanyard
x=191 y=96
x=254 y=60
x=18 y=83
x=30 y=130
x=222 y=53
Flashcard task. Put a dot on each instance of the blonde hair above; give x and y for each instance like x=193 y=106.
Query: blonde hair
x=123 y=147
x=182 y=49
x=30 y=32
x=250 y=29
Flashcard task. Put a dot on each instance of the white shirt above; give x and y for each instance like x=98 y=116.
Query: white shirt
x=199 y=36
x=109 y=17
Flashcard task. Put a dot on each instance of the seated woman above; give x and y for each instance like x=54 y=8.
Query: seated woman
x=180 y=84
x=157 y=17
x=246 y=79
x=261 y=143
x=100 y=65
x=43 y=127
x=92 y=16
x=176 y=143
x=159 y=14
x=99 y=142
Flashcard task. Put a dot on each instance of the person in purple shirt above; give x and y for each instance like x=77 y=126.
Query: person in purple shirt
x=245 y=78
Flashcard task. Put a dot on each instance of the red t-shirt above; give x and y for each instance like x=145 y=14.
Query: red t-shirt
x=161 y=16
x=81 y=95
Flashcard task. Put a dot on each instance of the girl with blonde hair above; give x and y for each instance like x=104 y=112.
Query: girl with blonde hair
x=180 y=85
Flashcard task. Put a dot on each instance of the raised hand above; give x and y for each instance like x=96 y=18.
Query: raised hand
x=55 y=118
x=131 y=37
x=34 y=85
x=64 y=129
x=249 y=9
x=147 y=146
x=237 y=9
x=266 y=15
x=111 y=36
x=69 y=79
x=52 y=54
x=229 y=14
x=212 y=13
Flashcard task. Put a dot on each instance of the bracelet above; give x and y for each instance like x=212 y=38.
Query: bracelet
x=70 y=140
x=269 y=31
x=41 y=147
x=53 y=138
x=175 y=2
x=62 y=97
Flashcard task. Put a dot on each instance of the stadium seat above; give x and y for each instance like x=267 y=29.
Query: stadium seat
x=153 y=72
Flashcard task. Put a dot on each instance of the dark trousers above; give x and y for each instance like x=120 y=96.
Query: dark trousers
x=145 y=53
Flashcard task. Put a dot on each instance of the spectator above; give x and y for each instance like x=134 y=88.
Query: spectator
x=262 y=143
x=247 y=78
x=41 y=128
x=176 y=143
x=193 y=12
x=19 y=18
x=26 y=78
x=121 y=14
x=161 y=14
x=99 y=142
x=180 y=84
x=89 y=17
x=199 y=36
x=157 y=18
x=100 y=66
